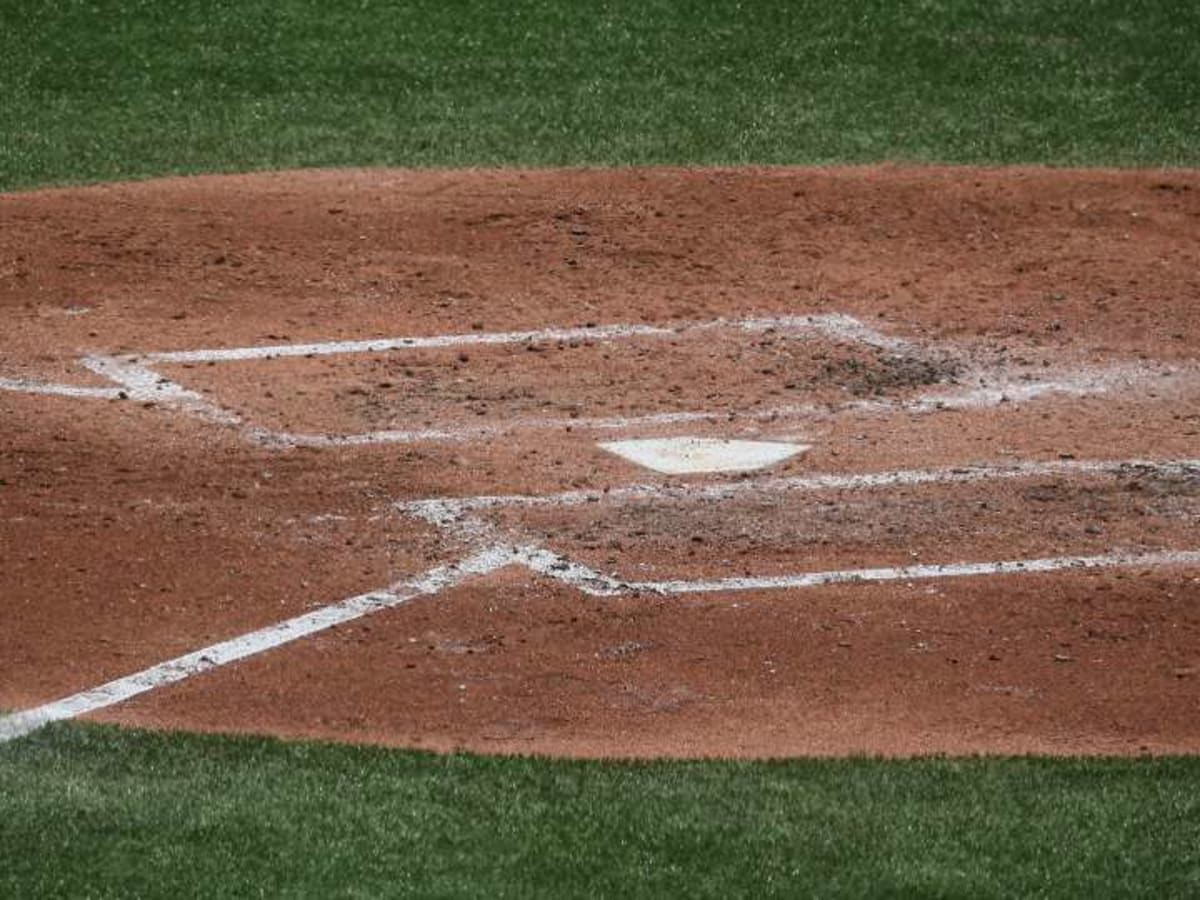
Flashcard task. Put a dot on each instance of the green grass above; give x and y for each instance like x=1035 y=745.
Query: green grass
x=87 y=811
x=103 y=89
x=110 y=89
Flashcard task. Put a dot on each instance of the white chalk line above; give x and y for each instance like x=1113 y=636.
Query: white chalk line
x=131 y=372
x=831 y=324
x=443 y=510
x=454 y=516
x=576 y=575
x=138 y=381
x=1079 y=384
x=542 y=562
x=33 y=386
x=141 y=383
x=434 y=581
x=597 y=584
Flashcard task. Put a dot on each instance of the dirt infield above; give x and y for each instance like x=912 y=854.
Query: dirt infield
x=319 y=453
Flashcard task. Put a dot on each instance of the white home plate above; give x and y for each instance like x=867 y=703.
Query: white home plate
x=681 y=455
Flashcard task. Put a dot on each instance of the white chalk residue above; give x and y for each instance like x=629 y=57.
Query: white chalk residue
x=597 y=584
x=433 y=581
x=31 y=386
x=983 y=388
x=831 y=324
x=448 y=507
x=145 y=385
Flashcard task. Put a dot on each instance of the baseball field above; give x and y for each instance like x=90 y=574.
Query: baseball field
x=637 y=449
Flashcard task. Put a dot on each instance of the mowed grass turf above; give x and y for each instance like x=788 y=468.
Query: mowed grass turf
x=101 y=812
x=105 y=89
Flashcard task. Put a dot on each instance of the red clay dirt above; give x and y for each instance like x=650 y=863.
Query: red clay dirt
x=131 y=532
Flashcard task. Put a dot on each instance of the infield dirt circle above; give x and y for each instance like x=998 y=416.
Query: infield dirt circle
x=232 y=402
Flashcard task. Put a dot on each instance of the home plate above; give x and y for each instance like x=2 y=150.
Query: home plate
x=683 y=455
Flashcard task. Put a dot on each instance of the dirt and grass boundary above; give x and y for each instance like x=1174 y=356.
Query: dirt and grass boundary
x=116 y=90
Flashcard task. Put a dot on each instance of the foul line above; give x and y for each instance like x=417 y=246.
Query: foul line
x=431 y=582
x=540 y=561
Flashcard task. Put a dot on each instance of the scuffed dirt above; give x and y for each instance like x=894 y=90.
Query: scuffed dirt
x=130 y=533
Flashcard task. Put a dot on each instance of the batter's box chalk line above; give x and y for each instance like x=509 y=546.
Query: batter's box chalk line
x=490 y=556
x=137 y=377
x=448 y=512
x=460 y=517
